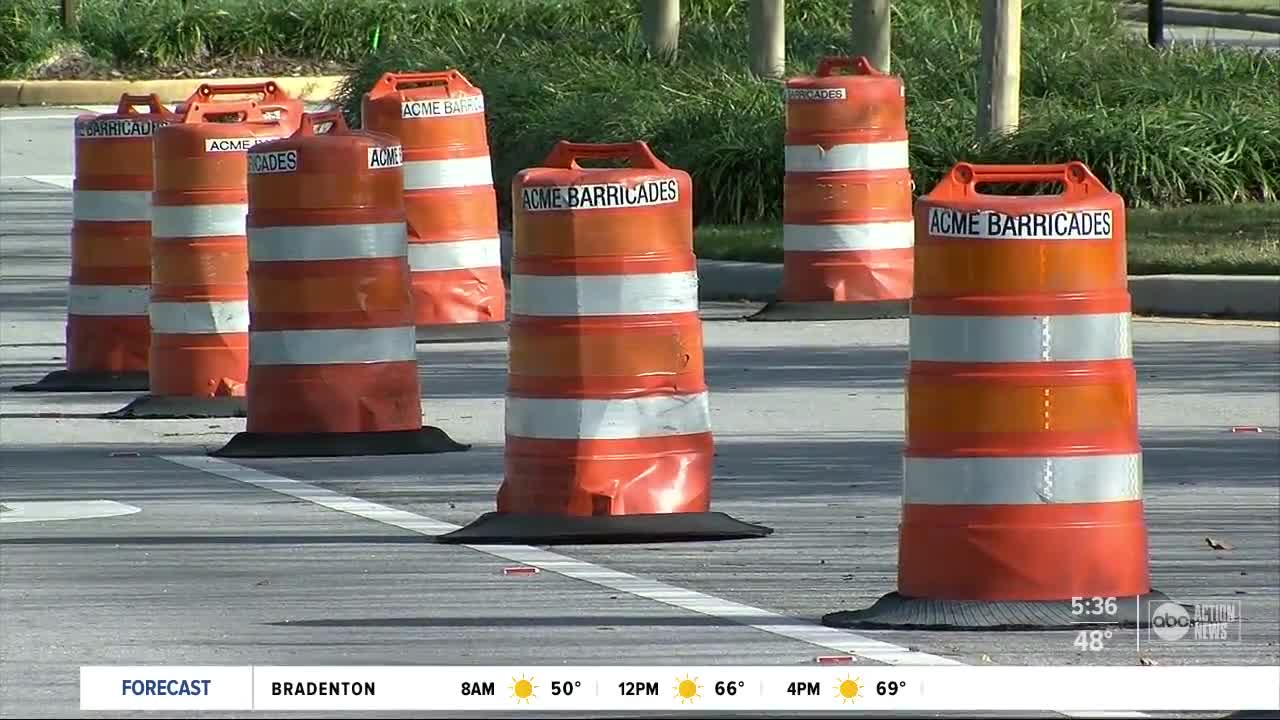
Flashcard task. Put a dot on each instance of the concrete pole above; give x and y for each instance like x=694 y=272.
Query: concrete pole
x=1001 y=67
x=768 y=37
x=660 y=20
x=869 y=25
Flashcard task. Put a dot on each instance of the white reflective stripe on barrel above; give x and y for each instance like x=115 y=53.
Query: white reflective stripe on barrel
x=891 y=155
x=330 y=347
x=894 y=235
x=1020 y=338
x=112 y=300
x=199 y=318
x=188 y=221
x=570 y=295
x=615 y=419
x=431 y=257
x=111 y=205
x=451 y=173
x=327 y=242
x=1022 y=480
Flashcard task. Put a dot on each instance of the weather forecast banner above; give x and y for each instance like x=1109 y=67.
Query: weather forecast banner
x=722 y=688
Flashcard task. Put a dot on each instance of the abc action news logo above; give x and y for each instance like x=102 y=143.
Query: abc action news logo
x=1206 y=622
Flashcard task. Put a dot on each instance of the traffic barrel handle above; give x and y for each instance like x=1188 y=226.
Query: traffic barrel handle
x=249 y=110
x=450 y=79
x=128 y=103
x=567 y=154
x=859 y=64
x=269 y=91
x=964 y=178
x=337 y=123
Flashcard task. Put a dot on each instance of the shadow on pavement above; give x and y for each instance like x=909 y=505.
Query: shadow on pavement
x=544 y=621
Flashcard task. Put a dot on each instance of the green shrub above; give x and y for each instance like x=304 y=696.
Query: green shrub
x=28 y=32
x=1161 y=127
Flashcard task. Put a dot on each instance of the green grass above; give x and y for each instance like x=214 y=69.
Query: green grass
x=29 y=30
x=1163 y=128
x=1226 y=239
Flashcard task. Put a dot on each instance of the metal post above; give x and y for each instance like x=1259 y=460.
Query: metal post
x=1155 y=23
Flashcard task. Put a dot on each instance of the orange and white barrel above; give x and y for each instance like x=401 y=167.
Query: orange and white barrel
x=454 y=249
x=332 y=364
x=199 y=297
x=108 y=335
x=1022 y=485
x=272 y=99
x=607 y=411
x=847 y=223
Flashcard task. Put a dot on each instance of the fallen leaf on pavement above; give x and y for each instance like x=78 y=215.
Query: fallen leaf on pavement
x=1219 y=544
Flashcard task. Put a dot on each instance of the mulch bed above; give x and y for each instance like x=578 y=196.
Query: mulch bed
x=77 y=66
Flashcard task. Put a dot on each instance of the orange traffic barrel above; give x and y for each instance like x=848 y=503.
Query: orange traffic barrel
x=332 y=364
x=272 y=100
x=108 y=334
x=454 y=249
x=847 y=230
x=608 y=428
x=199 y=261
x=1022 y=487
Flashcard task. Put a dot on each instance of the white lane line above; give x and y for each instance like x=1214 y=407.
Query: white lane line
x=64 y=113
x=841 y=641
x=14 y=511
x=36 y=118
x=62 y=181
x=830 y=638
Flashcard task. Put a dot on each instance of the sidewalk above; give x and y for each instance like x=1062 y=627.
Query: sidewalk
x=1184 y=26
x=1227 y=296
x=1182 y=35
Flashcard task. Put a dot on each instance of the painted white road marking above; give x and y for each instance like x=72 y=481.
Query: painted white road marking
x=62 y=181
x=37 y=118
x=830 y=638
x=63 y=113
x=49 y=510
x=841 y=641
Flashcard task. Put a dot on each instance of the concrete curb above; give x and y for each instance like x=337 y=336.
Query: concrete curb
x=1224 y=19
x=108 y=92
x=1235 y=296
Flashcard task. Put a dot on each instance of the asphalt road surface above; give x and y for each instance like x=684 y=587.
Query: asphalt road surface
x=125 y=544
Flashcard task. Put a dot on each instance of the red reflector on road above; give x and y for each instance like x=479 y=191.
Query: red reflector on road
x=1246 y=428
x=520 y=570
x=835 y=659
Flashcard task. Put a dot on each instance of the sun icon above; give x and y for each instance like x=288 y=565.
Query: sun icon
x=687 y=689
x=847 y=690
x=522 y=689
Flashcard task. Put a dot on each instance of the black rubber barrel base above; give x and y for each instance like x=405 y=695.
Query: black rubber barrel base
x=497 y=528
x=396 y=442
x=67 y=381
x=462 y=332
x=779 y=311
x=895 y=612
x=159 y=407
